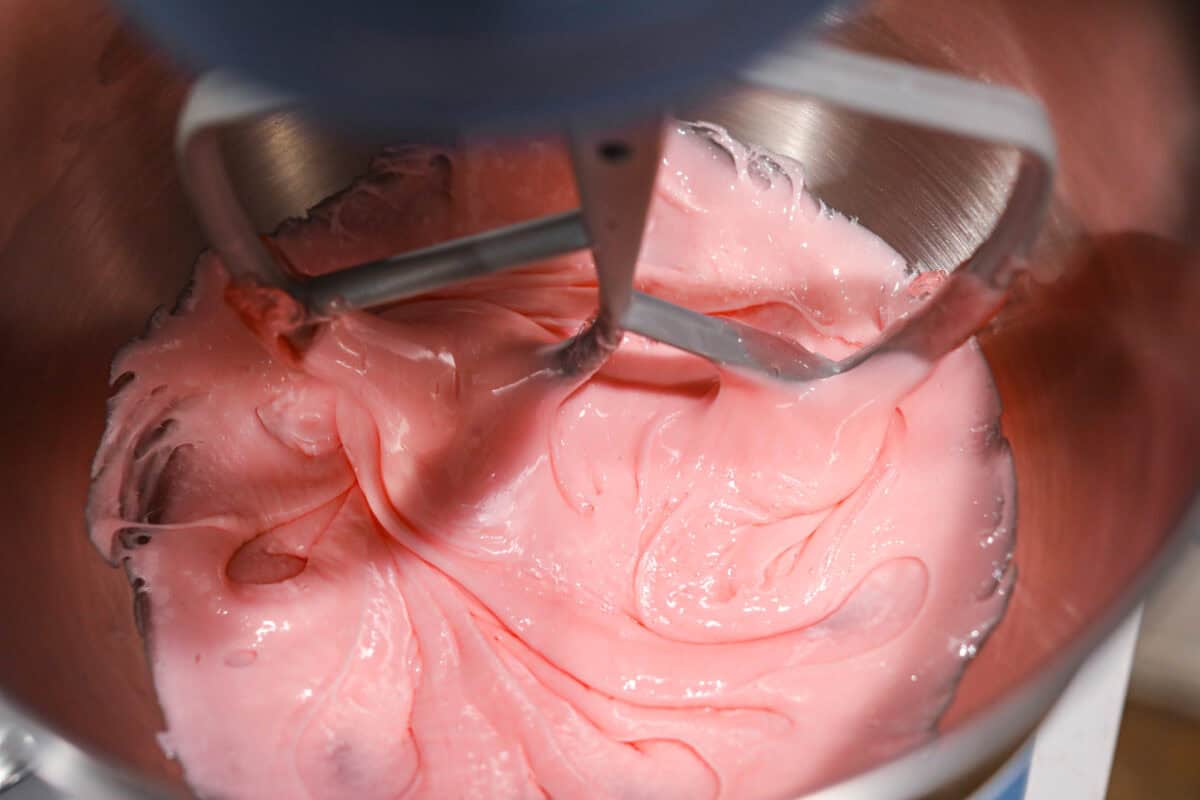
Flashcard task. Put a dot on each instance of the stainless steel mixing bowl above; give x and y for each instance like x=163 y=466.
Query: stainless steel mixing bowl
x=1094 y=361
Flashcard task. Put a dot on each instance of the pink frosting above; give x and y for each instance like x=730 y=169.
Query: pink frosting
x=391 y=558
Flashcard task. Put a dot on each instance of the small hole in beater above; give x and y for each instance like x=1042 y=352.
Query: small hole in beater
x=614 y=151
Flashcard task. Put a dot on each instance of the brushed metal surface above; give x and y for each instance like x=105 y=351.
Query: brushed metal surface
x=1094 y=362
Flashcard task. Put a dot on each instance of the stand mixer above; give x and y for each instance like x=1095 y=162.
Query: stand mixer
x=615 y=172
x=579 y=229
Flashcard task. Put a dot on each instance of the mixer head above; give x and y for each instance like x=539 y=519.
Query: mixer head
x=428 y=70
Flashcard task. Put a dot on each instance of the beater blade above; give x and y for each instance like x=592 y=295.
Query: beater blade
x=615 y=174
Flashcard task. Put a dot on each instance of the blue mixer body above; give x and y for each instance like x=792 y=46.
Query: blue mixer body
x=438 y=67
